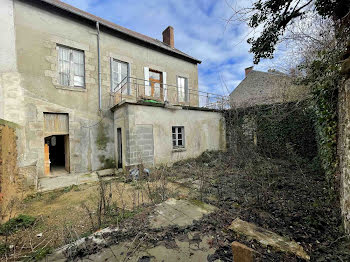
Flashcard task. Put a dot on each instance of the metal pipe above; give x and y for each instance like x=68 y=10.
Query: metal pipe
x=99 y=67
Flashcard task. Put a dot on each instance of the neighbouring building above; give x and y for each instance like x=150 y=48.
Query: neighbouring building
x=87 y=94
x=265 y=88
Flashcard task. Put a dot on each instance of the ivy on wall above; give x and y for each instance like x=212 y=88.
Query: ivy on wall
x=324 y=78
x=310 y=126
x=273 y=129
x=284 y=126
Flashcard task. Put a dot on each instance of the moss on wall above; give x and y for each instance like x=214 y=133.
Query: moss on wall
x=107 y=162
x=102 y=139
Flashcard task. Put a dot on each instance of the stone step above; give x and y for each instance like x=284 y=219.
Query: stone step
x=268 y=238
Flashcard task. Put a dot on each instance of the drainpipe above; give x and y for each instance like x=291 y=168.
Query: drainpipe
x=99 y=66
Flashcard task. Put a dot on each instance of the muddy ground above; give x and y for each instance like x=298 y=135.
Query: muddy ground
x=289 y=197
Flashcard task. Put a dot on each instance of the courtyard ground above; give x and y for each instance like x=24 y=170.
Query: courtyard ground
x=287 y=196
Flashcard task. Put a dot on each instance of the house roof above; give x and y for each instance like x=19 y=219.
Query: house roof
x=146 y=39
x=261 y=88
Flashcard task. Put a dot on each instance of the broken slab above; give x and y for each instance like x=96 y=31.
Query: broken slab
x=268 y=238
x=96 y=239
x=178 y=212
x=242 y=253
x=190 y=182
x=135 y=251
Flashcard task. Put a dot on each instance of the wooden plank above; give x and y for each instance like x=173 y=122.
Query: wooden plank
x=56 y=124
x=47 y=159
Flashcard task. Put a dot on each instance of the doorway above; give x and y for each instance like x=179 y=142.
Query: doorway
x=119 y=148
x=156 y=80
x=56 y=155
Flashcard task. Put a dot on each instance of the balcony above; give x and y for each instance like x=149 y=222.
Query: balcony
x=136 y=90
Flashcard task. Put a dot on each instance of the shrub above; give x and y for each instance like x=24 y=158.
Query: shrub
x=14 y=224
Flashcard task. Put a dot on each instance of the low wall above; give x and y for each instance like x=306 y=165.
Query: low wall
x=9 y=178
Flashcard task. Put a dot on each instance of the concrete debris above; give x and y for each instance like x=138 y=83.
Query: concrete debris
x=136 y=251
x=268 y=238
x=178 y=212
x=242 y=253
x=134 y=173
x=94 y=239
x=190 y=182
x=147 y=171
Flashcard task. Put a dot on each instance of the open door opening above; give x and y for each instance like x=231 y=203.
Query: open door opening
x=120 y=148
x=56 y=155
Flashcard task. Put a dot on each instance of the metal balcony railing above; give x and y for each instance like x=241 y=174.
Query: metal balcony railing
x=133 y=89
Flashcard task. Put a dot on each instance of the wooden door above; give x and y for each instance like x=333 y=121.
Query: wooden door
x=66 y=153
x=156 y=83
x=46 y=159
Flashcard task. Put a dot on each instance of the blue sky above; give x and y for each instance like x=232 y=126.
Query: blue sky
x=200 y=31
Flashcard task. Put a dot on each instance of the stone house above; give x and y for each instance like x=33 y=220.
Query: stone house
x=88 y=94
x=265 y=88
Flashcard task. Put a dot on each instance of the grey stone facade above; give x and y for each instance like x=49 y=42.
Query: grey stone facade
x=29 y=87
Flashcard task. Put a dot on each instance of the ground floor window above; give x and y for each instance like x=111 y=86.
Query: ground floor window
x=178 y=136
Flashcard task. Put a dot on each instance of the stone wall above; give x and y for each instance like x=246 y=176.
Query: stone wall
x=273 y=130
x=344 y=152
x=12 y=184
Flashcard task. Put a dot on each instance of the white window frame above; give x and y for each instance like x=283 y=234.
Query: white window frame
x=176 y=130
x=71 y=69
x=184 y=98
x=113 y=84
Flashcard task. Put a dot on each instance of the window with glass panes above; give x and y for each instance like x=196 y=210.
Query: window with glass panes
x=120 y=73
x=178 y=136
x=182 y=89
x=71 y=67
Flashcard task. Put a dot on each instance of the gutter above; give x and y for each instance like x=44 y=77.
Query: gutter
x=99 y=66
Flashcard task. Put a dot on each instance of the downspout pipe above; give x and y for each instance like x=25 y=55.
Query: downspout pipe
x=99 y=67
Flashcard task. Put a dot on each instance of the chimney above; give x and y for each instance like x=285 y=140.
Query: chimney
x=248 y=70
x=168 y=36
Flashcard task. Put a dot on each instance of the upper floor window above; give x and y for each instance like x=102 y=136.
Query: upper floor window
x=71 y=67
x=182 y=89
x=120 y=73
